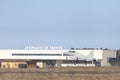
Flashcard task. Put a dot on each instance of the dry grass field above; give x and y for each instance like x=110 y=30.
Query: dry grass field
x=70 y=73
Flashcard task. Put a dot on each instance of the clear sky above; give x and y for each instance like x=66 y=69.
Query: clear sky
x=68 y=23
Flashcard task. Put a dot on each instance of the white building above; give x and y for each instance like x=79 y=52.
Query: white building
x=59 y=56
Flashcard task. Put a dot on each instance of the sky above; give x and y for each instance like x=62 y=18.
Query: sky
x=67 y=23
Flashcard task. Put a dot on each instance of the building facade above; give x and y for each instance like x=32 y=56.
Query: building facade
x=60 y=57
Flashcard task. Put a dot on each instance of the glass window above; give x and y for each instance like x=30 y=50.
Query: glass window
x=34 y=54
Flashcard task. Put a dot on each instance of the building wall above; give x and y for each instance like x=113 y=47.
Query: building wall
x=7 y=54
x=118 y=53
x=96 y=54
x=11 y=64
x=102 y=55
x=106 y=55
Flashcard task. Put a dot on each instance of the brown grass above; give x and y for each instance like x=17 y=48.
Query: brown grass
x=76 y=73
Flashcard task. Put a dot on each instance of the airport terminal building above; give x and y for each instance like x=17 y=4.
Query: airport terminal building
x=57 y=58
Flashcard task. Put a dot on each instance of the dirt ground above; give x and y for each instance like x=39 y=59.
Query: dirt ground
x=76 y=73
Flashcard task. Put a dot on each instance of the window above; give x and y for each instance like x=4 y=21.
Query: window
x=71 y=51
x=34 y=54
x=67 y=55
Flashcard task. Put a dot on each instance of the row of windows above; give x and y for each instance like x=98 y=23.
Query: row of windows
x=32 y=54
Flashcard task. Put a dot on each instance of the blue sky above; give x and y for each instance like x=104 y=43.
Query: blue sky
x=68 y=23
